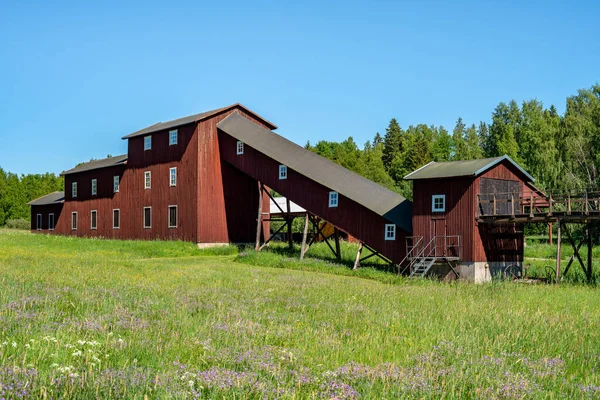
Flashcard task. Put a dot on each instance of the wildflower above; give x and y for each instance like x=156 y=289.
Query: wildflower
x=14 y=344
x=77 y=353
x=191 y=384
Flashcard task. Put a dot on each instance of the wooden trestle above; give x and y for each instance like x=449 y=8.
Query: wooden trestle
x=581 y=208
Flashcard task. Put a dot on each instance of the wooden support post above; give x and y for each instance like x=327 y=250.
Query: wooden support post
x=357 y=261
x=494 y=204
x=550 y=233
x=587 y=204
x=259 y=218
x=550 y=204
x=590 y=243
x=303 y=249
x=338 y=252
x=530 y=204
x=569 y=203
x=289 y=224
x=558 y=244
x=512 y=203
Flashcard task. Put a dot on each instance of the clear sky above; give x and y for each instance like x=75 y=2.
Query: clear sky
x=76 y=77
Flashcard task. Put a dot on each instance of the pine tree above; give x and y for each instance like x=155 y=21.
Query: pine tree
x=393 y=143
x=472 y=144
x=460 y=151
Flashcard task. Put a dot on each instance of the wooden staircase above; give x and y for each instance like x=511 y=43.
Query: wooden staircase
x=420 y=258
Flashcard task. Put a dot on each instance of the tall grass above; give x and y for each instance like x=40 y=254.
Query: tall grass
x=84 y=318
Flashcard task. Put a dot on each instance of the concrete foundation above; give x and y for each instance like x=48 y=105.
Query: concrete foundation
x=478 y=272
x=209 y=245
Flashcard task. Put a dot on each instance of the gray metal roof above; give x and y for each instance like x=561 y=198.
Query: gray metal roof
x=282 y=203
x=191 y=118
x=373 y=196
x=52 y=198
x=97 y=164
x=451 y=169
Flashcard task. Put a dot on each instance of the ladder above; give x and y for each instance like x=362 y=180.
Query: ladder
x=421 y=266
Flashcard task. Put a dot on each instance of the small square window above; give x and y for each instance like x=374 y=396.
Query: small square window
x=282 y=172
x=333 y=199
x=172 y=216
x=38 y=222
x=390 y=232
x=147 y=143
x=116 y=184
x=74 y=221
x=438 y=203
x=116 y=219
x=240 y=148
x=94 y=187
x=74 y=189
x=147 y=180
x=94 y=220
x=173 y=176
x=147 y=217
x=173 y=137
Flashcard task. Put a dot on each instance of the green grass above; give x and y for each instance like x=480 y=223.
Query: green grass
x=84 y=318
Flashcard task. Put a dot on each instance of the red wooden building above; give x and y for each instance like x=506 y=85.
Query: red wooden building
x=448 y=199
x=197 y=179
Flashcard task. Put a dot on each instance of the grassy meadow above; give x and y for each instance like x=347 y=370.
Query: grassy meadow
x=84 y=318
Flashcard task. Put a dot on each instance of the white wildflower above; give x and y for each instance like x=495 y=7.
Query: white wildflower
x=54 y=365
x=81 y=342
x=191 y=384
x=77 y=353
x=14 y=344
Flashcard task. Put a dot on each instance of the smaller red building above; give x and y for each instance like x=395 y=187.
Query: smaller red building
x=448 y=198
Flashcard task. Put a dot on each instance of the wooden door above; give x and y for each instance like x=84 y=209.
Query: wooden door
x=439 y=231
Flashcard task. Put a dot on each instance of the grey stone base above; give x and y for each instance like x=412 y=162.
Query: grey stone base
x=478 y=272
x=208 y=245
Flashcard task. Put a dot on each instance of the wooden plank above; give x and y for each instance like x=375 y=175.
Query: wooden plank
x=304 y=249
x=357 y=260
x=590 y=243
x=259 y=218
x=558 y=244
x=290 y=219
x=338 y=252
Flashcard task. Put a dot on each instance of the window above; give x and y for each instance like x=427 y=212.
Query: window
x=173 y=176
x=333 y=199
x=94 y=187
x=240 y=147
x=390 y=232
x=94 y=219
x=282 y=172
x=147 y=143
x=116 y=184
x=116 y=218
x=438 y=203
x=50 y=222
x=147 y=217
x=147 y=180
x=74 y=189
x=172 y=216
x=173 y=137
x=74 y=221
x=38 y=222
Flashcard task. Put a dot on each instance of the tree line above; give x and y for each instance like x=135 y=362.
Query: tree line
x=561 y=151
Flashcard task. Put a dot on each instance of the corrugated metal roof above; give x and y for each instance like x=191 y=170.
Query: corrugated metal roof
x=373 y=196
x=452 y=169
x=52 y=198
x=189 y=119
x=97 y=164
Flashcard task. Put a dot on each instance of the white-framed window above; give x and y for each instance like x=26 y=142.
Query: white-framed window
x=38 y=222
x=172 y=216
x=116 y=184
x=74 y=189
x=333 y=199
x=390 y=232
x=51 y=221
x=116 y=218
x=283 y=172
x=94 y=187
x=240 y=147
x=173 y=176
x=74 y=220
x=173 y=137
x=94 y=220
x=147 y=217
x=147 y=143
x=147 y=180
x=438 y=203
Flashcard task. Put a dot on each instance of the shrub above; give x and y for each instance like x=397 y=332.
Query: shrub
x=19 y=223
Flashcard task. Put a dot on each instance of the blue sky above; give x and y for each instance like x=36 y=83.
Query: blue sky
x=76 y=77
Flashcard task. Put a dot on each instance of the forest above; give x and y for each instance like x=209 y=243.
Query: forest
x=561 y=151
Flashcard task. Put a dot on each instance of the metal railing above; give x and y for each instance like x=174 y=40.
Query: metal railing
x=438 y=247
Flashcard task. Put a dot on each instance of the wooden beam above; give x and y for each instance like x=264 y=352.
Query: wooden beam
x=357 y=260
x=573 y=256
x=304 y=249
x=590 y=243
x=338 y=251
x=558 y=243
x=261 y=188
x=289 y=224
x=575 y=249
x=550 y=232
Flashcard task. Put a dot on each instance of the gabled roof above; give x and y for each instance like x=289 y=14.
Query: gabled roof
x=452 y=169
x=371 y=195
x=52 y=198
x=193 y=118
x=97 y=164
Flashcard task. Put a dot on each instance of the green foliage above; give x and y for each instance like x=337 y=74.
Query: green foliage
x=20 y=223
